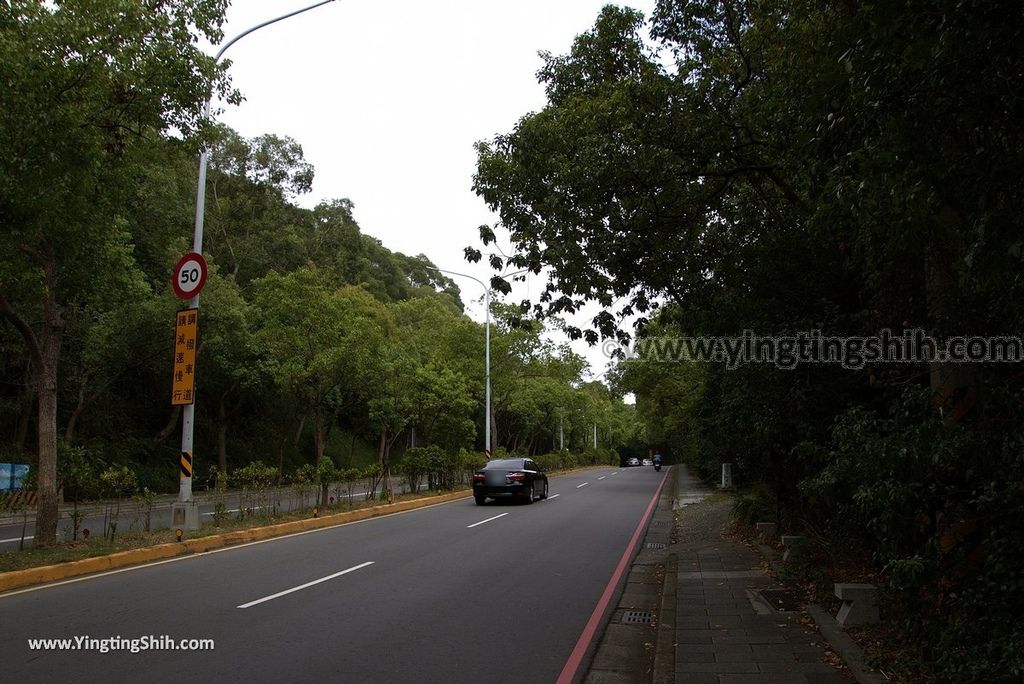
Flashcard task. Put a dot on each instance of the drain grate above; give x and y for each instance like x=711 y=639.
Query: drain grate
x=655 y=545
x=638 y=617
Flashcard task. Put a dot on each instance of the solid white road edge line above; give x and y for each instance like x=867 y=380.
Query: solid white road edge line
x=305 y=586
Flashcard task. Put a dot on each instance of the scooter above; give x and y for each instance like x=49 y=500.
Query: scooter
x=657 y=467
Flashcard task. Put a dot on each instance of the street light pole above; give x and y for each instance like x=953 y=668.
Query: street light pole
x=487 y=354
x=185 y=513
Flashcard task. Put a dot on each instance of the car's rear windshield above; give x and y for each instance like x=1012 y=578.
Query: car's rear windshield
x=504 y=464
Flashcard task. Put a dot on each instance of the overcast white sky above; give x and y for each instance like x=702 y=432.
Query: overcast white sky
x=387 y=100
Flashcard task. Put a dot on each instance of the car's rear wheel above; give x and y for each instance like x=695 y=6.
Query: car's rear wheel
x=480 y=499
x=529 y=495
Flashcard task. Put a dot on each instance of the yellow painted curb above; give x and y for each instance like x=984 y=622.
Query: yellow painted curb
x=51 y=573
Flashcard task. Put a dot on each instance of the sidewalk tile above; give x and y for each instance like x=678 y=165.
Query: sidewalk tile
x=717 y=668
x=720 y=636
x=696 y=678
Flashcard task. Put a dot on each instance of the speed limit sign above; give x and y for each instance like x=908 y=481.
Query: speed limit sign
x=189 y=275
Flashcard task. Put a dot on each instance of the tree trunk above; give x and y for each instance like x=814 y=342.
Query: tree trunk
x=172 y=423
x=379 y=477
x=298 y=431
x=954 y=384
x=45 y=353
x=69 y=430
x=386 y=466
x=46 y=487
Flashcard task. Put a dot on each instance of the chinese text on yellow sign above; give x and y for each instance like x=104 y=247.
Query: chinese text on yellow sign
x=185 y=332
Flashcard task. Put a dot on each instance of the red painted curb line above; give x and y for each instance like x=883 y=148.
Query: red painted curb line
x=572 y=665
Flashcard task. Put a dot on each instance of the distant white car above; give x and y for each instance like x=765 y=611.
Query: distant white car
x=633 y=462
x=648 y=462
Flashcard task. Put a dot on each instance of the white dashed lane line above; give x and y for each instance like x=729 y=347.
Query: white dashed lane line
x=486 y=521
x=304 y=586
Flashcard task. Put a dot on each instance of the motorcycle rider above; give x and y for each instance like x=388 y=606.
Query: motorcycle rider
x=657 y=460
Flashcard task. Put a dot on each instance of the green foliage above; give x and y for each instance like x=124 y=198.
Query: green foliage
x=787 y=167
x=254 y=476
x=86 y=85
x=116 y=482
x=304 y=481
x=755 y=504
x=146 y=499
x=316 y=341
x=79 y=473
x=254 y=482
x=948 y=541
x=219 y=480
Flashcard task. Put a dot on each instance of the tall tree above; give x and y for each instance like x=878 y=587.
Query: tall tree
x=84 y=80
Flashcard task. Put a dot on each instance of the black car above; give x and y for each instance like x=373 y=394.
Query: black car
x=515 y=477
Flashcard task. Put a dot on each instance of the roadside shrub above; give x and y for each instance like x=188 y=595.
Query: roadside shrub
x=350 y=476
x=469 y=462
x=549 y=462
x=414 y=466
x=116 y=483
x=304 y=480
x=253 y=482
x=568 y=460
x=755 y=504
x=942 y=508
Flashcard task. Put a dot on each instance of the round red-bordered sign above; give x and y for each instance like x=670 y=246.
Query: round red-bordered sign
x=189 y=275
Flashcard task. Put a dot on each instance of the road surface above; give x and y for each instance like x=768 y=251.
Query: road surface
x=451 y=593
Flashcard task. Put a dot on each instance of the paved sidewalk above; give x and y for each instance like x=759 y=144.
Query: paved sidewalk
x=625 y=653
x=725 y=631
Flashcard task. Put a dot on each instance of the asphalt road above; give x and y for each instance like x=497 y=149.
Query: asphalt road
x=451 y=593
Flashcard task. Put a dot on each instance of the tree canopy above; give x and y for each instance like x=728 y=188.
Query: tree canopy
x=319 y=347
x=781 y=167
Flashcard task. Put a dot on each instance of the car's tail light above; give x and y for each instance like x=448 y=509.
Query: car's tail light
x=516 y=477
x=479 y=477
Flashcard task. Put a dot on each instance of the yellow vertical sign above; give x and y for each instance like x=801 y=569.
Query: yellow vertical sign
x=185 y=333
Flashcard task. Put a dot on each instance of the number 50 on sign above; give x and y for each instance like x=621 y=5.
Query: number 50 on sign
x=189 y=275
